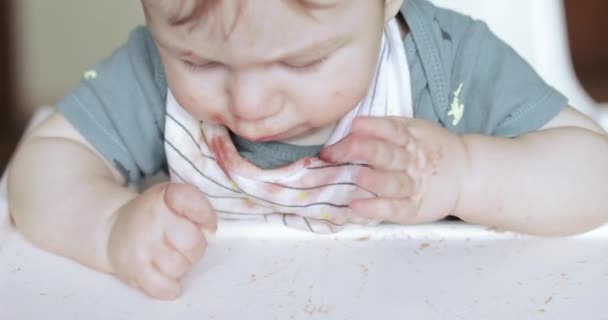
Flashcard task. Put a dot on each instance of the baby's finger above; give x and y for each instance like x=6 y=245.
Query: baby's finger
x=187 y=201
x=157 y=285
x=170 y=262
x=186 y=238
x=386 y=184
x=393 y=129
x=377 y=153
x=395 y=211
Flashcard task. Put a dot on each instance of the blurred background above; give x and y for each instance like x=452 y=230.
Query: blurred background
x=46 y=45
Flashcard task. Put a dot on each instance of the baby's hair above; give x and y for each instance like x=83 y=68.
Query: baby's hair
x=179 y=12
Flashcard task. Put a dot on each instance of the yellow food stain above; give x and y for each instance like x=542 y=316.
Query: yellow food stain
x=249 y=202
x=90 y=75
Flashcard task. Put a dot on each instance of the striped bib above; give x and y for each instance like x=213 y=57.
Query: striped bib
x=309 y=194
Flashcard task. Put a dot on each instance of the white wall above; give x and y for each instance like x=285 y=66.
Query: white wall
x=59 y=39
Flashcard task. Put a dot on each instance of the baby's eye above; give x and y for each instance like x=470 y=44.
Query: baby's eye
x=199 y=66
x=304 y=65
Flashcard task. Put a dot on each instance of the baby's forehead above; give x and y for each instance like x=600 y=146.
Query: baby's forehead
x=221 y=20
x=181 y=11
x=264 y=30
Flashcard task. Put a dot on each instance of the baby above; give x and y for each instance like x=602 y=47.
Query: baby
x=416 y=111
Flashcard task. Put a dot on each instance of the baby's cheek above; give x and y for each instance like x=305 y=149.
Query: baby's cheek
x=197 y=101
x=200 y=111
x=182 y=95
x=343 y=102
x=329 y=108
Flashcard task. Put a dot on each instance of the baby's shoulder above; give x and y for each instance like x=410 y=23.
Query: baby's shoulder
x=444 y=25
x=136 y=62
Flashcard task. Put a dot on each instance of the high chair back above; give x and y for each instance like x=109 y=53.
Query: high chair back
x=537 y=31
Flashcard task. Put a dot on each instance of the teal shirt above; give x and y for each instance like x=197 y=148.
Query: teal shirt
x=462 y=78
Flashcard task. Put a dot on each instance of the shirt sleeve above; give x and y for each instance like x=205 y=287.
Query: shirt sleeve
x=494 y=91
x=119 y=107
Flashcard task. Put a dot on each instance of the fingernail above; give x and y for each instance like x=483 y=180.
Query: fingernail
x=210 y=235
x=175 y=294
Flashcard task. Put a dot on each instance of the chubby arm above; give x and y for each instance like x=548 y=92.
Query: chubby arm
x=550 y=182
x=63 y=195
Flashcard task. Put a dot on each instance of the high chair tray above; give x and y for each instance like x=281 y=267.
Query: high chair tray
x=447 y=270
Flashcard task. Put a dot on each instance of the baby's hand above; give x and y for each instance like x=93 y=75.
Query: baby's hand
x=415 y=168
x=158 y=237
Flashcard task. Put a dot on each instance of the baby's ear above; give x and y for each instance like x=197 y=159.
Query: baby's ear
x=391 y=8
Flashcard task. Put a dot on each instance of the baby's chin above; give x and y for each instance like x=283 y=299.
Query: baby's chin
x=312 y=136
x=286 y=137
x=297 y=134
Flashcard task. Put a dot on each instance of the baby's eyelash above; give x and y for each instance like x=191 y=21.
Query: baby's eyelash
x=312 y=66
x=195 y=66
x=308 y=67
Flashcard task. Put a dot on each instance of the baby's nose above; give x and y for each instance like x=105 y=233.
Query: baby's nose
x=253 y=99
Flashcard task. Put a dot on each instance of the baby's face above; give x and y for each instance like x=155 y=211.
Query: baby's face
x=270 y=69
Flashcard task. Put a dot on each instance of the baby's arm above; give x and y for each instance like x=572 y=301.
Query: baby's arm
x=66 y=199
x=549 y=182
x=62 y=194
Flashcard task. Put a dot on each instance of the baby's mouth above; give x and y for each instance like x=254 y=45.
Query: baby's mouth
x=259 y=138
x=268 y=138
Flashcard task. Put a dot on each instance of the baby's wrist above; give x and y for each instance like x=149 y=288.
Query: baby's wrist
x=447 y=179
x=110 y=239
x=466 y=178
